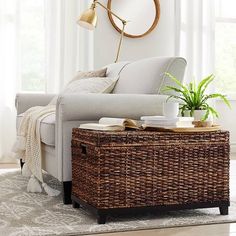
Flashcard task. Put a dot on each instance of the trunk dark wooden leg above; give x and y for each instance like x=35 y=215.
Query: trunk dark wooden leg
x=67 y=187
x=101 y=219
x=224 y=210
x=75 y=204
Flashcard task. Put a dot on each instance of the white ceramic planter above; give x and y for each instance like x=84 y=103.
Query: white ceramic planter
x=198 y=115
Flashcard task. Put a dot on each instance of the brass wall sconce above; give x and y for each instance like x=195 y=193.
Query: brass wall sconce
x=88 y=20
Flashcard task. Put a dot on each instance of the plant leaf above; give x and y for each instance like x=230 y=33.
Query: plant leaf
x=205 y=82
x=218 y=95
x=206 y=114
x=169 y=88
x=176 y=81
x=214 y=112
x=176 y=97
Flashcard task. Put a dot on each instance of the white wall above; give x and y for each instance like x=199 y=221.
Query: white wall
x=160 y=42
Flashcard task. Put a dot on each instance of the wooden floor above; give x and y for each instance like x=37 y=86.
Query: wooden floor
x=8 y=166
x=206 y=230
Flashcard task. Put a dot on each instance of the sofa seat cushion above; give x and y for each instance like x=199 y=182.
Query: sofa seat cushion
x=47 y=129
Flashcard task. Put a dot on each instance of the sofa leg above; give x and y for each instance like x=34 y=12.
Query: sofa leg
x=67 y=187
x=21 y=165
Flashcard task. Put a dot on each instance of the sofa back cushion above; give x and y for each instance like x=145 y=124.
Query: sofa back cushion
x=147 y=76
x=176 y=67
x=114 y=69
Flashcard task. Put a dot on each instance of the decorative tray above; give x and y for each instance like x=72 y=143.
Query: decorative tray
x=190 y=130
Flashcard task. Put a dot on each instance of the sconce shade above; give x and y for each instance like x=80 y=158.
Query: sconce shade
x=88 y=19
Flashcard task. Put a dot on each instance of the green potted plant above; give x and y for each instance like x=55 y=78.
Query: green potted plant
x=193 y=98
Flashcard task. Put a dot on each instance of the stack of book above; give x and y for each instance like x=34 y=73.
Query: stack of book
x=120 y=124
x=165 y=122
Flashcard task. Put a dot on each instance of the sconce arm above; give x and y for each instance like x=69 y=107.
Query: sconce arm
x=103 y=6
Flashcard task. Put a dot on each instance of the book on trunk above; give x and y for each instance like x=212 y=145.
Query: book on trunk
x=113 y=124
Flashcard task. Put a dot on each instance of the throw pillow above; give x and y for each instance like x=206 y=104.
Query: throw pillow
x=90 y=74
x=90 y=85
x=83 y=75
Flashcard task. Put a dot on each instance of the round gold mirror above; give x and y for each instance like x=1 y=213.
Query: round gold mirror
x=142 y=16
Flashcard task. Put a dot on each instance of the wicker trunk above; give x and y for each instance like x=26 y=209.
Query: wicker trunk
x=140 y=170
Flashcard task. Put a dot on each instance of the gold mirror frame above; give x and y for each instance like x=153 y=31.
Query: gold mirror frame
x=155 y=22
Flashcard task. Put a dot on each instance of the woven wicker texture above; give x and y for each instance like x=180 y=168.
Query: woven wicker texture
x=141 y=168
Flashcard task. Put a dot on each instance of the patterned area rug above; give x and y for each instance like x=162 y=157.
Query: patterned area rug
x=23 y=213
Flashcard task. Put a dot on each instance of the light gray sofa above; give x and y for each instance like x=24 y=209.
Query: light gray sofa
x=138 y=92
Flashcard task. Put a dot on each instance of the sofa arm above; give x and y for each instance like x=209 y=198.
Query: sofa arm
x=90 y=107
x=25 y=101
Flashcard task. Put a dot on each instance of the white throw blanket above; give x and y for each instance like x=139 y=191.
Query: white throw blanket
x=28 y=147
